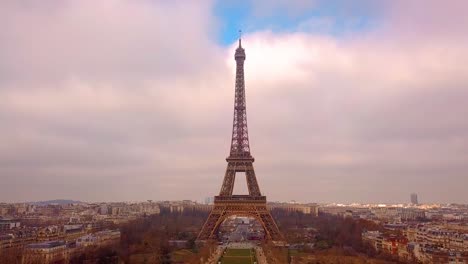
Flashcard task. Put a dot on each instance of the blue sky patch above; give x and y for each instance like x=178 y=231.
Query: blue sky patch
x=333 y=17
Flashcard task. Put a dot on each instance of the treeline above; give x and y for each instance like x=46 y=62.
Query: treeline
x=146 y=240
x=331 y=234
x=334 y=230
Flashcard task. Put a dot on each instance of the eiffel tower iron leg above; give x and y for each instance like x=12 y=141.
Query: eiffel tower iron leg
x=216 y=217
x=270 y=226
x=229 y=178
x=252 y=183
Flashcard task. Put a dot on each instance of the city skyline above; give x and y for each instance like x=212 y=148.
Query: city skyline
x=113 y=101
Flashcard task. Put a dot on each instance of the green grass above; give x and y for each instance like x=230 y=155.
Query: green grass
x=238 y=252
x=293 y=252
x=238 y=256
x=180 y=255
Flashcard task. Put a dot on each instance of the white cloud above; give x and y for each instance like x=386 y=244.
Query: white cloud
x=136 y=96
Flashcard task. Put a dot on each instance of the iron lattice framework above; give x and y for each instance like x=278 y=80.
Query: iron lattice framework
x=240 y=160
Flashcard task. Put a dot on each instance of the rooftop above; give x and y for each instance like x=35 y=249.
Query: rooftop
x=48 y=244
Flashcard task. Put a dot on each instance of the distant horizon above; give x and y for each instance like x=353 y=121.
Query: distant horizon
x=202 y=201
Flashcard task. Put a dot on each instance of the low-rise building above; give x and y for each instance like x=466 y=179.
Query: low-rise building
x=295 y=207
x=99 y=238
x=9 y=223
x=46 y=252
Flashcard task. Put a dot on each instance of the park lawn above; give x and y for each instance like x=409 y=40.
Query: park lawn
x=238 y=252
x=293 y=252
x=180 y=255
x=144 y=258
x=238 y=256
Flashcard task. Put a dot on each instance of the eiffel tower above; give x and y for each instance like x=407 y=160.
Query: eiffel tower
x=240 y=160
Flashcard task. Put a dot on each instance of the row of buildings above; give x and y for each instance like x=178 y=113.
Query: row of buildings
x=412 y=232
x=51 y=233
x=187 y=205
x=423 y=245
x=66 y=210
x=398 y=213
x=63 y=250
x=427 y=242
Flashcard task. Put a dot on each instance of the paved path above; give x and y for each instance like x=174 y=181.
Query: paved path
x=261 y=258
x=240 y=234
x=213 y=259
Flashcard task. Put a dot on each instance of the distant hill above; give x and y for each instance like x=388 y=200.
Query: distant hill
x=58 y=201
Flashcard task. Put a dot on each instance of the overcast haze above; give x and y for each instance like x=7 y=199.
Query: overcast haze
x=133 y=100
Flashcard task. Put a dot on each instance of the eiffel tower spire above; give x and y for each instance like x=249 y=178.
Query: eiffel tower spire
x=240 y=136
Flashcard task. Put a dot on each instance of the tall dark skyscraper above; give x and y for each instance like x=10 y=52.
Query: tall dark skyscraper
x=414 y=198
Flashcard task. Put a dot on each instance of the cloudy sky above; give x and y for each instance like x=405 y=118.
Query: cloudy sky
x=133 y=100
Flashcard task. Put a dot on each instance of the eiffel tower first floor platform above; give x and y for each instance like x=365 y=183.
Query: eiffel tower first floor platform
x=240 y=205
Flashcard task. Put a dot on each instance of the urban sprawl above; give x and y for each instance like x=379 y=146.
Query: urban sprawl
x=426 y=233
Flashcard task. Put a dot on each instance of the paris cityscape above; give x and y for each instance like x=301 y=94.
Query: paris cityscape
x=233 y=132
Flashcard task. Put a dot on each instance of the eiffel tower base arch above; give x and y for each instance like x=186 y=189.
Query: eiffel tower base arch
x=240 y=205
